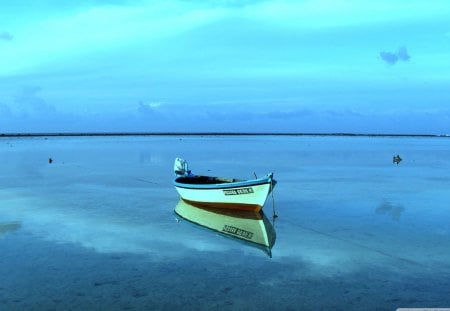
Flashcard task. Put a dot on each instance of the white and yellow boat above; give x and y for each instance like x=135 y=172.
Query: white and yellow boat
x=230 y=193
x=251 y=227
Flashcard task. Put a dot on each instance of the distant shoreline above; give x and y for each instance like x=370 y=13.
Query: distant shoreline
x=96 y=134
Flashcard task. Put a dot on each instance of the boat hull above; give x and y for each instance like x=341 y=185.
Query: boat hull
x=243 y=195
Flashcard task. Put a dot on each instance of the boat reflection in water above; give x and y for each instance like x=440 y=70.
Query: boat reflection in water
x=253 y=228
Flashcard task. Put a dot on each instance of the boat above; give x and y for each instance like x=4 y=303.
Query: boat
x=252 y=228
x=229 y=193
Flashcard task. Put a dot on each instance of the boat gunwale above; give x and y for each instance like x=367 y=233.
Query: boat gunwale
x=223 y=185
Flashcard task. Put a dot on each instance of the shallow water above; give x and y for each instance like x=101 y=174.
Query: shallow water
x=96 y=230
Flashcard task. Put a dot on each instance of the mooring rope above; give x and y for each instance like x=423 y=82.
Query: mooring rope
x=274 y=214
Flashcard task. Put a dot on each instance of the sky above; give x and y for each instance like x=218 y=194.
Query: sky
x=315 y=66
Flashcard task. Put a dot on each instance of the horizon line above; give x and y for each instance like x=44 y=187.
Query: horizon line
x=94 y=134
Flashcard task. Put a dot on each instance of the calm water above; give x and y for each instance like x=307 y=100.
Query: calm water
x=95 y=230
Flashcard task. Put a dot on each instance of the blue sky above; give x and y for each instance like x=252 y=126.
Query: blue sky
x=186 y=65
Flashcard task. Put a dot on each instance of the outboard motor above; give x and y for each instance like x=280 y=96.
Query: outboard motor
x=180 y=167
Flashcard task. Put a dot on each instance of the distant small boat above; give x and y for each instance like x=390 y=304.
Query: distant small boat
x=253 y=228
x=396 y=159
x=222 y=192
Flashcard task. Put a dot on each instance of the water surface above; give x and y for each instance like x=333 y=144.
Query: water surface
x=95 y=229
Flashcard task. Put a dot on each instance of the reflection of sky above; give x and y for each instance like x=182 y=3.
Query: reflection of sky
x=338 y=201
x=309 y=66
x=129 y=230
x=339 y=243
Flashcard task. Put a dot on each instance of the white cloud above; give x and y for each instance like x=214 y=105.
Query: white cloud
x=100 y=29
x=108 y=28
x=153 y=104
x=340 y=13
